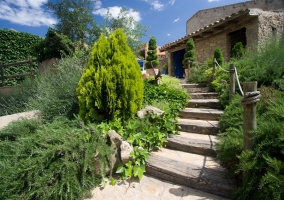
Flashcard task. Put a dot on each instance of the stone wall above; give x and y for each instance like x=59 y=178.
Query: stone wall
x=270 y=23
x=205 y=17
x=205 y=47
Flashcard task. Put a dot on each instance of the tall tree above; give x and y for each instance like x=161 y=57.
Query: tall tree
x=75 y=19
x=152 y=57
x=131 y=28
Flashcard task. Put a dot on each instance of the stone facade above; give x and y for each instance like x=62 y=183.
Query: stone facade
x=205 y=47
x=205 y=17
x=220 y=27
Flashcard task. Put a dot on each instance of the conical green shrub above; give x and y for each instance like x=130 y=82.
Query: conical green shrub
x=189 y=53
x=111 y=84
x=152 y=57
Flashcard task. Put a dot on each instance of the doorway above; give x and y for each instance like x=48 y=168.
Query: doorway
x=178 y=67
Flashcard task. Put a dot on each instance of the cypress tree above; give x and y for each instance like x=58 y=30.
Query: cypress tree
x=152 y=56
x=111 y=84
x=189 y=53
x=219 y=56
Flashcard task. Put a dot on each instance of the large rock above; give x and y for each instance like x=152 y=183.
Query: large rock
x=149 y=110
x=115 y=142
x=126 y=149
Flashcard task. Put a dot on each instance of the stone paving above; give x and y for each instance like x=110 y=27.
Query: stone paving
x=149 y=188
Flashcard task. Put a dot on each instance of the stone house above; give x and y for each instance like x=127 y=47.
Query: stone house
x=250 y=22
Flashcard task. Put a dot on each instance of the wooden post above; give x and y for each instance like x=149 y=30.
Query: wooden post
x=232 y=81
x=2 y=74
x=31 y=66
x=249 y=117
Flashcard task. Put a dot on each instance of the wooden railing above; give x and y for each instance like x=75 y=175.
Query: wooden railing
x=3 y=66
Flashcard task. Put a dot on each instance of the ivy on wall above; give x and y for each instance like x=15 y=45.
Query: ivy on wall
x=16 y=46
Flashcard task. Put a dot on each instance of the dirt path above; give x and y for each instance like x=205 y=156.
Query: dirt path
x=5 y=120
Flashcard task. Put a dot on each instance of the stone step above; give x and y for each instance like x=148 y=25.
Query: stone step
x=193 y=143
x=199 y=90
x=199 y=126
x=192 y=170
x=201 y=113
x=189 y=85
x=204 y=103
x=204 y=95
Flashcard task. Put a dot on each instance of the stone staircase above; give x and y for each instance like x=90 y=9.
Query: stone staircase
x=188 y=158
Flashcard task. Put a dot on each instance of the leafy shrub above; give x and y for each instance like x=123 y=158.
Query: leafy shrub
x=111 y=85
x=16 y=46
x=231 y=135
x=264 y=166
x=52 y=161
x=201 y=73
x=152 y=57
x=238 y=50
x=17 y=100
x=189 y=53
x=218 y=55
x=177 y=99
x=54 y=45
x=55 y=93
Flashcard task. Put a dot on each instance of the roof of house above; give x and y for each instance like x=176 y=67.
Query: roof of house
x=212 y=28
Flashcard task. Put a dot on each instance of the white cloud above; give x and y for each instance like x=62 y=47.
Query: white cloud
x=98 y=5
x=168 y=34
x=213 y=0
x=26 y=12
x=172 y=2
x=156 y=4
x=176 y=20
x=115 y=10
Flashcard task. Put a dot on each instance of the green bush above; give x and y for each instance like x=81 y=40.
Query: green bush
x=189 y=53
x=111 y=85
x=16 y=46
x=238 y=51
x=264 y=166
x=54 y=45
x=55 y=93
x=52 y=161
x=152 y=57
x=177 y=99
x=17 y=100
x=218 y=55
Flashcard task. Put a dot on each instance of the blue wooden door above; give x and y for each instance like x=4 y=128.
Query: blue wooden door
x=178 y=68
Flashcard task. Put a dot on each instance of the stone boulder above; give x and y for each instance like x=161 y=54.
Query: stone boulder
x=149 y=110
x=115 y=141
x=126 y=149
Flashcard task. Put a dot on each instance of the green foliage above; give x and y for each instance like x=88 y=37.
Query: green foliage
x=218 y=55
x=17 y=100
x=152 y=57
x=238 y=51
x=55 y=93
x=136 y=166
x=54 y=45
x=52 y=161
x=231 y=142
x=201 y=73
x=14 y=47
x=111 y=85
x=189 y=53
x=132 y=29
x=264 y=166
x=75 y=19
x=177 y=99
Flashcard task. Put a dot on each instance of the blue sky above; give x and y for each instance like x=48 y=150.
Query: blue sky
x=166 y=18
